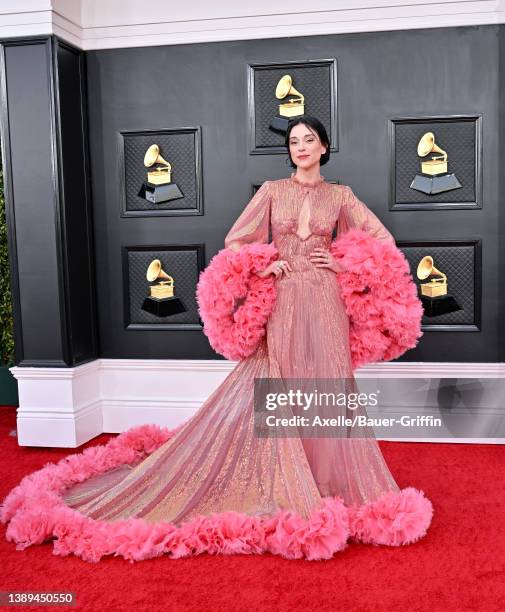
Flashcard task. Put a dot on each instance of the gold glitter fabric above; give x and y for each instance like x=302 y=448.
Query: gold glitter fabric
x=217 y=462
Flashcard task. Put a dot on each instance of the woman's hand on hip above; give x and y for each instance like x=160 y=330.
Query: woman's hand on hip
x=322 y=258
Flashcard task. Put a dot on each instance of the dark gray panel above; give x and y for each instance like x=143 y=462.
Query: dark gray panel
x=32 y=199
x=382 y=75
x=75 y=209
x=44 y=137
x=499 y=294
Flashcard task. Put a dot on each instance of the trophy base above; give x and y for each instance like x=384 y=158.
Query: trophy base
x=160 y=193
x=442 y=304
x=163 y=307
x=279 y=124
x=435 y=184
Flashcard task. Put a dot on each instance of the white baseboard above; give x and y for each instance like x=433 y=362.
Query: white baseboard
x=449 y=440
x=59 y=428
x=58 y=406
x=65 y=407
x=121 y=413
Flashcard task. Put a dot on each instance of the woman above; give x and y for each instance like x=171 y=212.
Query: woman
x=215 y=485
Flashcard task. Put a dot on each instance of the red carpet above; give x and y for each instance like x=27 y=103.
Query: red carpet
x=459 y=565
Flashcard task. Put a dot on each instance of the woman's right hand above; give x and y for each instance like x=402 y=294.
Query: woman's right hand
x=277 y=267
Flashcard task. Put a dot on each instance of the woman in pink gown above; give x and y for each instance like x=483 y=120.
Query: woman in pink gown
x=215 y=485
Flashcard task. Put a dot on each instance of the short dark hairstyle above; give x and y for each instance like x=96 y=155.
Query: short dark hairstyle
x=316 y=126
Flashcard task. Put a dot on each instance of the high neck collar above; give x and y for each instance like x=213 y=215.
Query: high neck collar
x=315 y=183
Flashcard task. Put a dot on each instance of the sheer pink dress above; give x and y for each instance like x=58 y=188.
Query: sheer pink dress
x=217 y=462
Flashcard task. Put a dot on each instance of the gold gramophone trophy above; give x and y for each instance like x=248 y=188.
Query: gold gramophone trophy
x=434 y=177
x=161 y=301
x=434 y=296
x=291 y=108
x=158 y=187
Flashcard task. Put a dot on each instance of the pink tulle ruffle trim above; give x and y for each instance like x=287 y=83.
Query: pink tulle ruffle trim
x=380 y=297
x=229 y=278
x=379 y=293
x=36 y=513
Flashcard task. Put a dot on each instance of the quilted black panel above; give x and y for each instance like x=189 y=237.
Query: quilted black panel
x=314 y=81
x=456 y=137
x=181 y=264
x=179 y=147
x=458 y=263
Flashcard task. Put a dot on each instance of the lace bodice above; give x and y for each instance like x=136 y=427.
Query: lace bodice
x=289 y=207
x=304 y=210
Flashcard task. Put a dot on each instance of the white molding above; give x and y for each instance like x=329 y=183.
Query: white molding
x=121 y=413
x=426 y=369
x=172 y=365
x=68 y=30
x=65 y=407
x=26 y=24
x=449 y=440
x=94 y=24
x=58 y=406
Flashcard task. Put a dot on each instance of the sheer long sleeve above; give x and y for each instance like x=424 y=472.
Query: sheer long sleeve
x=354 y=213
x=254 y=222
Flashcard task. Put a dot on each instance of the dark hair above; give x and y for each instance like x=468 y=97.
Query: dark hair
x=315 y=125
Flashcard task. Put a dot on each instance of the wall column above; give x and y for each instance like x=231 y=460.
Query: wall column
x=48 y=211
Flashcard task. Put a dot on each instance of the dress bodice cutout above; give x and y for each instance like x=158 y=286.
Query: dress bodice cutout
x=303 y=226
x=303 y=230
x=304 y=210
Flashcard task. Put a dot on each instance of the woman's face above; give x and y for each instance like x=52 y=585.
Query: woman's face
x=305 y=147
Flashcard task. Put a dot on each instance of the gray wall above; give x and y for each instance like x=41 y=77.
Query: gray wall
x=380 y=75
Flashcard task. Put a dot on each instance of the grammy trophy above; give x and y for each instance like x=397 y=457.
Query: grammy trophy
x=434 y=177
x=161 y=301
x=158 y=187
x=293 y=107
x=434 y=297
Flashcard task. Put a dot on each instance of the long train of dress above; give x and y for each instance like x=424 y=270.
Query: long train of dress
x=293 y=495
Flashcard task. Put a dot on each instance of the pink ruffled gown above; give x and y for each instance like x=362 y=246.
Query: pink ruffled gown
x=215 y=462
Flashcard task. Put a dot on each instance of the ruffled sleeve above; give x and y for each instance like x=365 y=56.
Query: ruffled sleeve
x=254 y=222
x=354 y=213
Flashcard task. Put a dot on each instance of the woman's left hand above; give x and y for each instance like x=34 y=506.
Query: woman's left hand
x=322 y=258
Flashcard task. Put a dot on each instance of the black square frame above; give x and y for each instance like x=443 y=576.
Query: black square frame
x=324 y=100
x=475 y=276
x=461 y=131
x=187 y=294
x=187 y=173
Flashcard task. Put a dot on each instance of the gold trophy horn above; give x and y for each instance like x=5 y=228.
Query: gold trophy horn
x=436 y=286
x=153 y=156
x=437 y=164
x=293 y=107
x=164 y=288
x=160 y=175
